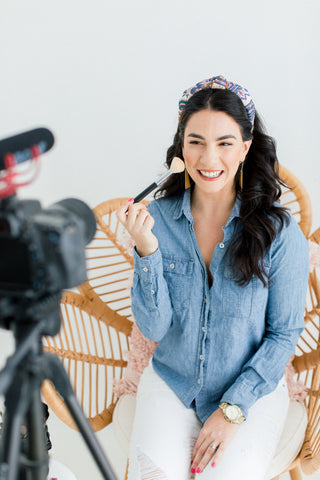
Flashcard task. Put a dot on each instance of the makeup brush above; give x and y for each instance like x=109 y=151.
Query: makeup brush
x=177 y=166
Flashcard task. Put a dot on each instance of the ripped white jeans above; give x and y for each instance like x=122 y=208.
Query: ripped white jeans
x=165 y=431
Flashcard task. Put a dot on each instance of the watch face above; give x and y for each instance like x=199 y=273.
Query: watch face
x=232 y=412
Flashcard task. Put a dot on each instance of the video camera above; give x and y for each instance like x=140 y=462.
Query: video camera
x=42 y=251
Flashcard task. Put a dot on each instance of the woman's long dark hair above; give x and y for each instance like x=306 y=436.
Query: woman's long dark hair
x=261 y=183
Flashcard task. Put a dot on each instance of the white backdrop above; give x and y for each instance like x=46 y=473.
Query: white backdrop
x=106 y=78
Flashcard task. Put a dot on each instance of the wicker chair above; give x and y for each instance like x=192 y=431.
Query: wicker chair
x=97 y=322
x=307 y=366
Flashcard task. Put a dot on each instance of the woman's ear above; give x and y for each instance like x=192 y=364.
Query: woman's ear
x=246 y=147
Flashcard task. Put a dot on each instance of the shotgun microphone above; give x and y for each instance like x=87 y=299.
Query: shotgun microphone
x=21 y=146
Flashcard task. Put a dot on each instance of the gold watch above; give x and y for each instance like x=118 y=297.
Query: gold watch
x=232 y=413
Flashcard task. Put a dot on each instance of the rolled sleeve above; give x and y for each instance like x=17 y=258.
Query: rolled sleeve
x=288 y=281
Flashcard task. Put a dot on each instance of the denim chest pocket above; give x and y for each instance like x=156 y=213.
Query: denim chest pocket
x=178 y=272
x=236 y=300
x=239 y=301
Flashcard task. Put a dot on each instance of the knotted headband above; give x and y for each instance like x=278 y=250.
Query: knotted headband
x=220 y=82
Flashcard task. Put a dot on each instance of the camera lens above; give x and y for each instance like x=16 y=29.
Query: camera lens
x=82 y=211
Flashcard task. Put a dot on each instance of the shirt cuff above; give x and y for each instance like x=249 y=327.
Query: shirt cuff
x=146 y=266
x=241 y=395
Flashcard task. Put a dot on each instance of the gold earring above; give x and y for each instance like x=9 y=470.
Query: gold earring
x=241 y=176
x=186 y=179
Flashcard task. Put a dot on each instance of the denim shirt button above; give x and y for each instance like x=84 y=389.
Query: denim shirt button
x=203 y=329
x=145 y=269
x=221 y=245
x=201 y=357
x=171 y=266
x=199 y=381
x=152 y=292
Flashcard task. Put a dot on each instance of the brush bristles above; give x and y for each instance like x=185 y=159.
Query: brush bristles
x=177 y=165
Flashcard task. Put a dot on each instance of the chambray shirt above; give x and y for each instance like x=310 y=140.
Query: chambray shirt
x=224 y=343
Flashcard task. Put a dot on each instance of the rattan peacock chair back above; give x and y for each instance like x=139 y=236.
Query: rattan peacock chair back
x=296 y=198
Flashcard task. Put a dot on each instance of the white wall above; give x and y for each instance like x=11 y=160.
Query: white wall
x=106 y=77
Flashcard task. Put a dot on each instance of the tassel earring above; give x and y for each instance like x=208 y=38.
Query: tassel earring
x=186 y=180
x=241 y=176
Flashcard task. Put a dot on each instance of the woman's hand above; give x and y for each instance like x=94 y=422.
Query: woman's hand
x=138 y=222
x=213 y=439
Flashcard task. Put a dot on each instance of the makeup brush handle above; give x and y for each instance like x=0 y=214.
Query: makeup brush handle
x=145 y=192
x=151 y=187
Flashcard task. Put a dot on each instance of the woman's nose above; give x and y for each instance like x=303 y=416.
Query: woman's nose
x=210 y=155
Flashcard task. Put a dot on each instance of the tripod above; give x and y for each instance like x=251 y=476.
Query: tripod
x=20 y=383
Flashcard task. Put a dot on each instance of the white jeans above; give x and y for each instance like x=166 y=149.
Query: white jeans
x=165 y=431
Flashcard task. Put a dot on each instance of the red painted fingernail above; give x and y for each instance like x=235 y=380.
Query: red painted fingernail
x=193 y=470
x=130 y=200
x=213 y=464
x=199 y=470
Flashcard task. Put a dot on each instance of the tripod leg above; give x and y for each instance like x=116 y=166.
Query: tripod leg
x=61 y=382
x=16 y=405
x=37 y=453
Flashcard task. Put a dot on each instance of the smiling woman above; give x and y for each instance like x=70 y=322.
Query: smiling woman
x=213 y=154
x=215 y=286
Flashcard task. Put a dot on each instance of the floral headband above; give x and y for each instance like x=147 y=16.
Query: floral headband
x=220 y=82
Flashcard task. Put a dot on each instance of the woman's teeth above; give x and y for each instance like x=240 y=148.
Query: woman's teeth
x=211 y=174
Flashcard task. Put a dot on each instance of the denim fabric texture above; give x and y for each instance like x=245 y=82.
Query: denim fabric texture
x=225 y=343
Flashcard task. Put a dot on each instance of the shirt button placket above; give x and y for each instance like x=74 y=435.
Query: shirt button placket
x=205 y=315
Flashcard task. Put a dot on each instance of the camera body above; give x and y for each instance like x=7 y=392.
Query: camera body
x=42 y=252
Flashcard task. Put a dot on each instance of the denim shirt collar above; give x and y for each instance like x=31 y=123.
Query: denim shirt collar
x=183 y=207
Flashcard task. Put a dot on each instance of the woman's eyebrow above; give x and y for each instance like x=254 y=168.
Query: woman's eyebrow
x=217 y=139
x=196 y=136
x=226 y=136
